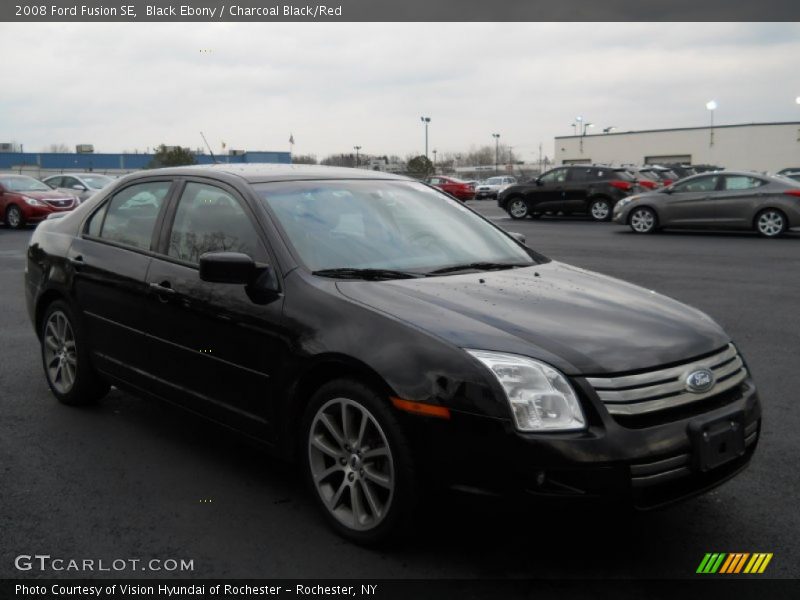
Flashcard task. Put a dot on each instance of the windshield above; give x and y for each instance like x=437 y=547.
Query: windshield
x=494 y=181
x=24 y=184
x=397 y=225
x=96 y=182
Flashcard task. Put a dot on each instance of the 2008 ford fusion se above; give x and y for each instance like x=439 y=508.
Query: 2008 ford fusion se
x=387 y=339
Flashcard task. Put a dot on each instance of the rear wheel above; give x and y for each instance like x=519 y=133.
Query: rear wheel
x=771 y=223
x=600 y=209
x=14 y=218
x=358 y=463
x=65 y=358
x=517 y=208
x=643 y=220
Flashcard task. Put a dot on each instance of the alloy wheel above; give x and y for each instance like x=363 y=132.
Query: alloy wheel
x=14 y=217
x=643 y=220
x=351 y=464
x=771 y=223
x=60 y=354
x=600 y=210
x=518 y=209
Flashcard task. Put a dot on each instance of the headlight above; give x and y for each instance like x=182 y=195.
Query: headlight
x=624 y=202
x=541 y=398
x=32 y=201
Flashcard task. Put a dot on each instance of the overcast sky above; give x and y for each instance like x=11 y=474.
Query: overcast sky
x=132 y=86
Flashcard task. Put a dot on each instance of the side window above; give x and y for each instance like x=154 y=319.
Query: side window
x=555 y=176
x=209 y=219
x=130 y=216
x=69 y=182
x=55 y=182
x=741 y=182
x=701 y=184
x=579 y=174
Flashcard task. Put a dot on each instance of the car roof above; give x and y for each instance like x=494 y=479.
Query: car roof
x=266 y=172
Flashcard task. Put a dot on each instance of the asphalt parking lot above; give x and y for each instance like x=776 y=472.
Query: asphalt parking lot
x=133 y=478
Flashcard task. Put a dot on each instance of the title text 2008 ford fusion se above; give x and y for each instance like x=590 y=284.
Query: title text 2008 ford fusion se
x=385 y=337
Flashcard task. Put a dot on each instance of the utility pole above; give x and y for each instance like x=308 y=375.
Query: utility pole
x=357 y=148
x=496 y=137
x=426 y=121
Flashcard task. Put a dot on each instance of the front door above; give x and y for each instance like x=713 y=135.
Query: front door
x=692 y=203
x=218 y=349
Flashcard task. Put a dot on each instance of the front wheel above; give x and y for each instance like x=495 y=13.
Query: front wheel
x=14 y=218
x=600 y=209
x=517 y=208
x=771 y=223
x=643 y=220
x=358 y=463
x=65 y=358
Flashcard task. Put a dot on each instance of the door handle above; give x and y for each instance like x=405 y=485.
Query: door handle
x=162 y=290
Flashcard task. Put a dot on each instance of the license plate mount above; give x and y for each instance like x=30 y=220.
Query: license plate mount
x=717 y=441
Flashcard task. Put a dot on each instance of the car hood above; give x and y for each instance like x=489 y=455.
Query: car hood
x=53 y=195
x=579 y=321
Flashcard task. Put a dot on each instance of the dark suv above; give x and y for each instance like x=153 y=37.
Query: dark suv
x=570 y=189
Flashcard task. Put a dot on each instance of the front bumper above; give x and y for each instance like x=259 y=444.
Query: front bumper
x=480 y=194
x=644 y=465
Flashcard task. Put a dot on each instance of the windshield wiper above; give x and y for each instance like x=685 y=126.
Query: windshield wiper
x=369 y=274
x=477 y=266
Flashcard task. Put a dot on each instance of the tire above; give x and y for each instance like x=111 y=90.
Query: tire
x=14 y=218
x=517 y=208
x=65 y=358
x=600 y=209
x=364 y=483
x=771 y=223
x=643 y=220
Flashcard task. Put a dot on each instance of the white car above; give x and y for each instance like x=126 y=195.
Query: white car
x=493 y=186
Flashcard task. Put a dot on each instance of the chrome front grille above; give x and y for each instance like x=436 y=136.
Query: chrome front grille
x=666 y=388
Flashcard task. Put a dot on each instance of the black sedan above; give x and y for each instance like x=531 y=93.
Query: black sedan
x=718 y=200
x=387 y=339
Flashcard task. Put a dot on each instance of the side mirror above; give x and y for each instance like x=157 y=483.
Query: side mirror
x=538 y=181
x=667 y=190
x=227 y=267
x=79 y=187
x=517 y=236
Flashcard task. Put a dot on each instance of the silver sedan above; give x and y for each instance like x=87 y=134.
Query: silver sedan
x=768 y=204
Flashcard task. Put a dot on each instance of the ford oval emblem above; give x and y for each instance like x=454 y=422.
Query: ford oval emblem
x=700 y=381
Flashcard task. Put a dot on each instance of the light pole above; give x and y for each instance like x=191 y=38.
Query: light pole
x=496 y=137
x=711 y=106
x=434 y=161
x=426 y=120
x=357 y=148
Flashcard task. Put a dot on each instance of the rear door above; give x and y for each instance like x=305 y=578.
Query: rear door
x=738 y=199
x=576 y=186
x=110 y=260
x=218 y=349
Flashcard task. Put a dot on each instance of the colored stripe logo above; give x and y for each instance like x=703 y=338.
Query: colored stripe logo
x=734 y=562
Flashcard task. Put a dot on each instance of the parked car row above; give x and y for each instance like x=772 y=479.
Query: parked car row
x=768 y=204
x=25 y=200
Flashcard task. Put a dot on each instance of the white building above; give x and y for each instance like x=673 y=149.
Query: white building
x=754 y=146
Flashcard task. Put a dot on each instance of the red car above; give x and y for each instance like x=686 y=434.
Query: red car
x=455 y=187
x=25 y=200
